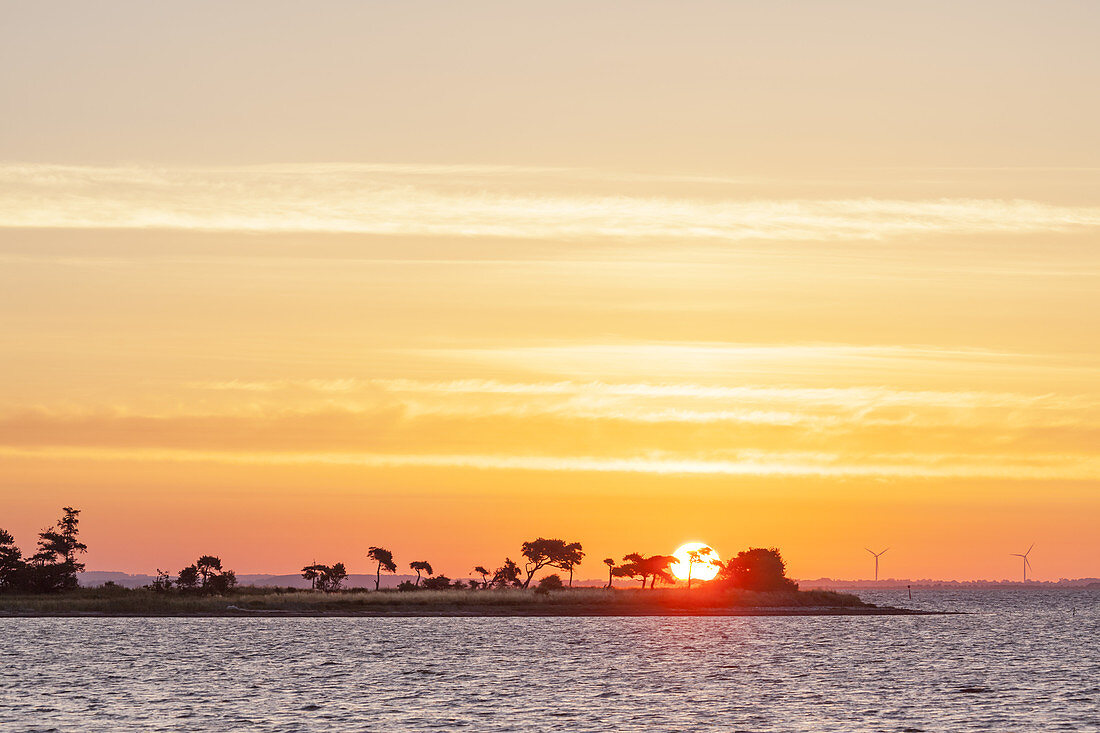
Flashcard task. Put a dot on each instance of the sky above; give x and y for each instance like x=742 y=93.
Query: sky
x=279 y=282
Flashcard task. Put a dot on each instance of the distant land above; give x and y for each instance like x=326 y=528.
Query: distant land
x=94 y=578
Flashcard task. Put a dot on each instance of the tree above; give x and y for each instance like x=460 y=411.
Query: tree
x=484 y=573
x=325 y=578
x=384 y=558
x=208 y=566
x=55 y=562
x=657 y=567
x=698 y=557
x=188 y=578
x=312 y=573
x=610 y=563
x=162 y=582
x=222 y=582
x=571 y=556
x=757 y=568
x=507 y=575
x=631 y=567
x=418 y=566
x=334 y=577
x=556 y=553
x=12 y=567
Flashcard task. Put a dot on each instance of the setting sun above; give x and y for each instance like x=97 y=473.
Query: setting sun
x=705 y=570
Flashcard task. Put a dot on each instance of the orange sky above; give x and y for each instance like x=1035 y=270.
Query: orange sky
x=718 y=273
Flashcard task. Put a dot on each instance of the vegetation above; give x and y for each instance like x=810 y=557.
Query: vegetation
x=46 y=584
x=757 y=569
x=53 y=567
x=653 y=568
x=384 y=558
x=541 y=553
x=705 y=600
x=698 y=557
x=324 y=577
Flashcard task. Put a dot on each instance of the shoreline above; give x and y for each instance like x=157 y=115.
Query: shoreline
x=236 y=612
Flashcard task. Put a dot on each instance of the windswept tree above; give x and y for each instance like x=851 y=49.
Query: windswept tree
x=631 y=567
x=312 y=573
x=420 y=566
x=610 y=563
x=570 y=557
x=507 y=575
x=698 y=557
x=384 y=558
x=542 y=552
x=660 y=568
x=654 y=568
x=484 y=573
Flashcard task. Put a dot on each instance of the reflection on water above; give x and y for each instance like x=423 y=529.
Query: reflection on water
x=1022 y=661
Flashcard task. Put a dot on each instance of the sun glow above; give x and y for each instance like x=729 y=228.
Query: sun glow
x=705 y=570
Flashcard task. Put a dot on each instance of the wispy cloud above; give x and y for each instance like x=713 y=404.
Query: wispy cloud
x=749 y=463
x=475 y=201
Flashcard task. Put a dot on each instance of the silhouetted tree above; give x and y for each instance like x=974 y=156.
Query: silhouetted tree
x=162 y=582
x=188 y=578
x=484 y=573
x=660 y=568
x=757 y=569
x=657 y=567
x=208 y=566
x=55 y=563
x=541 y=552
x=325 y=578
x=312 y=573
x=334 y=577
x=610 y=563
x=632 y=567
x=418 y=566
x=12 y=567
x=698 y=557
x=221 y=582
x=384 y=558
x=507 y=575
x=571 y=556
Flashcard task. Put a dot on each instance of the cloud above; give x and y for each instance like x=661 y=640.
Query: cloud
x=749 y=463
x=476 y=201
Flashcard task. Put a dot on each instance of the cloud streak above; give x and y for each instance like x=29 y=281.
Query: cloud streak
x=778 y=464
x=476 y=201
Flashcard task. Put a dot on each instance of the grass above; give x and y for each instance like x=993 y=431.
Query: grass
x=580 y=601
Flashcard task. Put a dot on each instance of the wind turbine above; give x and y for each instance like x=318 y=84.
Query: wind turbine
x=1027 y=565
x=877 y=556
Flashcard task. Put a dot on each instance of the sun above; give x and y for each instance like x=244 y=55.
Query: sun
x=700 y=571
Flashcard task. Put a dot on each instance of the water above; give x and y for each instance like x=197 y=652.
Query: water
x=1022 y=661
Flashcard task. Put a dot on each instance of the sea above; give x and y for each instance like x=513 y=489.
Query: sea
x=1015 y=659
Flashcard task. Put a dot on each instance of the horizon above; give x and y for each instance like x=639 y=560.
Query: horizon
x=445 y=281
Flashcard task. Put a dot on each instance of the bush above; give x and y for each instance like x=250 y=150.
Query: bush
x=758 y=569
x=549 y=583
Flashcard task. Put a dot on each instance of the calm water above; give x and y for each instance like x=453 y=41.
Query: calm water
x=1022 y=661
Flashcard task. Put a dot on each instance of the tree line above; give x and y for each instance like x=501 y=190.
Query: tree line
x=55 y=565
